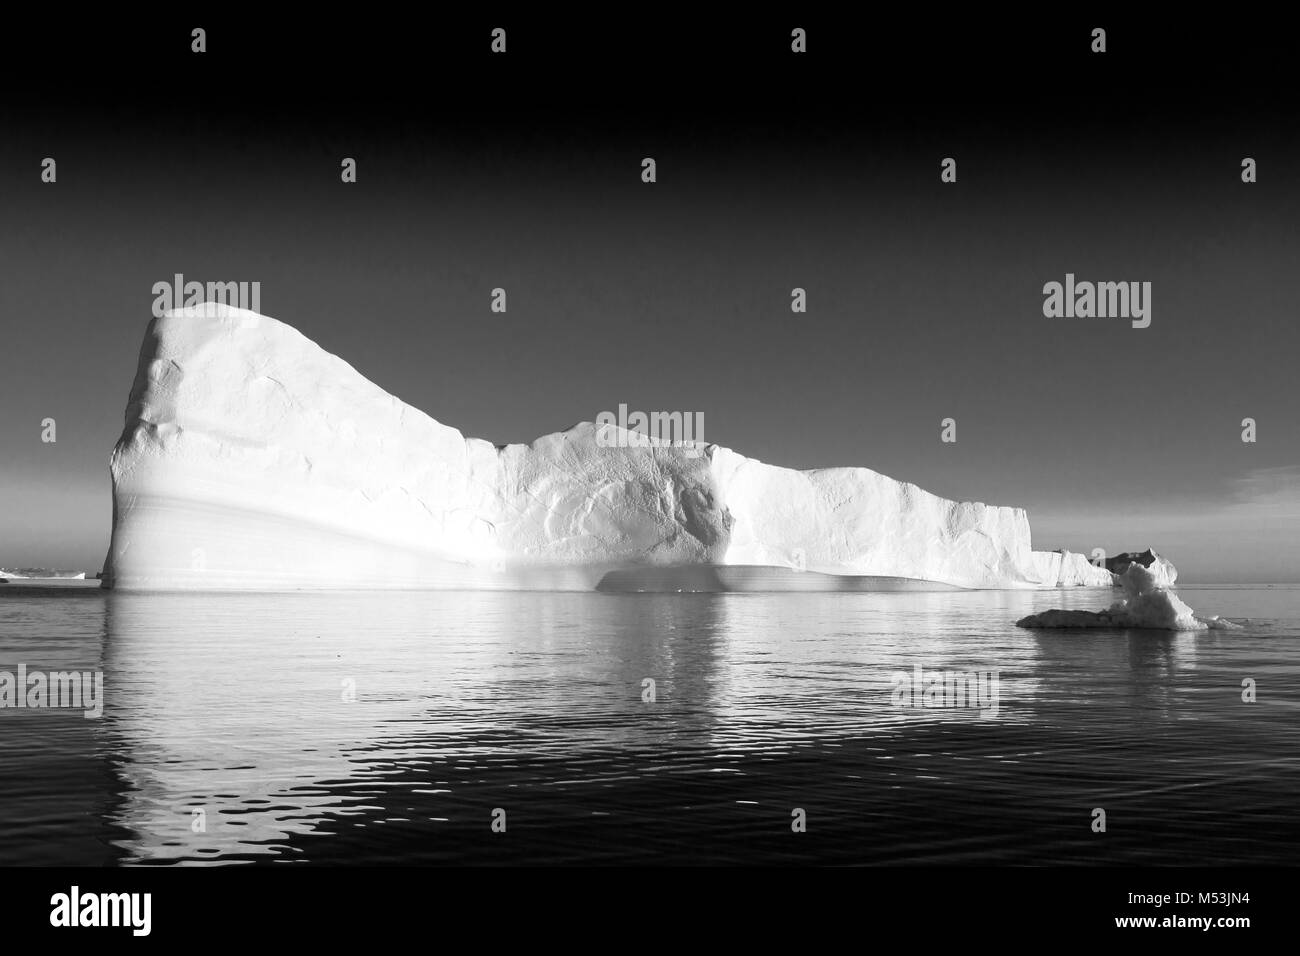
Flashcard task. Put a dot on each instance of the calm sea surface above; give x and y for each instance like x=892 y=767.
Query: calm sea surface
x=374 y=728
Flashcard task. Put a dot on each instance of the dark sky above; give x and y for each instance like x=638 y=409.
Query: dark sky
x=774 y=171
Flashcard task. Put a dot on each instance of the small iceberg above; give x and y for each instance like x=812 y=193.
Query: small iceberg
x=1147 y=603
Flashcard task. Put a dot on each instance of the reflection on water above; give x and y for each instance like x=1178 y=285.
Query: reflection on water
x=384 y=727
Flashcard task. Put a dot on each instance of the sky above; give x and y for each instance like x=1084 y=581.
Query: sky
x=925 y=299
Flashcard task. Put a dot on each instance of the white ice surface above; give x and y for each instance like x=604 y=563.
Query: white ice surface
x=1068 y=569
x=252 y=458
x=1147 y=603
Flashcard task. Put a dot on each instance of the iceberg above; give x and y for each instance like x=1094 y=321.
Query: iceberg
x=1162 y=569
x=1147 y=603
x=253 y=459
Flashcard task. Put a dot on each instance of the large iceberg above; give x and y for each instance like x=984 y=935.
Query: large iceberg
x=253 y=459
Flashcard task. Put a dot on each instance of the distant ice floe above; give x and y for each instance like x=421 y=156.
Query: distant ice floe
x=1147 y=603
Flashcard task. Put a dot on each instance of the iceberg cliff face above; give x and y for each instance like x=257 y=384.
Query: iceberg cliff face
x=1068 y=569
x=253 y=459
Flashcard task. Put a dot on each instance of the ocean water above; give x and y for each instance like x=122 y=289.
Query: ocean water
x=378 y=728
